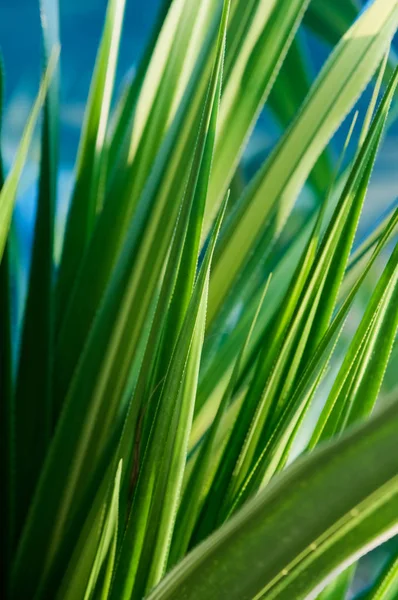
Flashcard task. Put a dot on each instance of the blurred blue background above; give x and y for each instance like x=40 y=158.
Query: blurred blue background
x=81 y=25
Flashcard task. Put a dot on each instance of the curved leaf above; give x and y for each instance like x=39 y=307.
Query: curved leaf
x=312 y=521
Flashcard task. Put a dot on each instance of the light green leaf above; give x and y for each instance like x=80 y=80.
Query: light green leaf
x=204 y=471
x=123 y=117
x=270 y=31
x=106 y=552
x=282 y=430
x=87 y=195
x=357 y=384
x=342 y=79
x=289 y=91
x=297 y=336
x=33 y=422
x=312 y=530
x=386 y=586
x=78 y=453
x=338 y=589
x=9 y=189
x=160 y=478
x=155 y=210
x=149 y=523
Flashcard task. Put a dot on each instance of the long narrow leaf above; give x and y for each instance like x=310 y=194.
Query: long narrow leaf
x=33 y=421
x=86 y=199
x=311 y=530
x=342 y=79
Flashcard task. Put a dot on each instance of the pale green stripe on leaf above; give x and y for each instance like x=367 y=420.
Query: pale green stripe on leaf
x=386 y=586
x=312 y=530
x=9 y=189
x=87 y=195
x=341 y=81
x=33 y=422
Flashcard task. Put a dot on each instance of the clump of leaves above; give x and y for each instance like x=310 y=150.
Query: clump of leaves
x=171 y=365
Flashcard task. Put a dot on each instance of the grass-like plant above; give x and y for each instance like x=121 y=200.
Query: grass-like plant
x=178 y=358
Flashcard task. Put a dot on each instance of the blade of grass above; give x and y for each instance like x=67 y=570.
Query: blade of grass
x=106 y=553
x=147 y=508
x=108 y=336
x=313 y=532
x=338 y=589
x=322 y=281
x=156 y=209
x=267 y=463
x=9 y=189
x=365 y=361
x=33 y=421
x=386 y=586
x=106 y=244
x=200 y=479
x=239 y=437
x=161 y=474
x=289 y=91
x=261 y=54
x=342 y=79
x=87 y=195
x=329 y=21
x=5 y=390
x=123 y=118
x=320 y=297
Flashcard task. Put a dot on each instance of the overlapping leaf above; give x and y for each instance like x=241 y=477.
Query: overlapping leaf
x=33 y=422
x=87 y=197
x=167 y=419
x=312 y=530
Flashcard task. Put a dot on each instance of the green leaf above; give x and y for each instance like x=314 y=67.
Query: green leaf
x=77 y=569
x=193 y=415
x=289 y=91
x=151 y=221
x=161 y=95
x=204 y=471
x=386 y=586
x=155 y=499
x=264 y=44
x=87 y=195
x=338 y=589
x=106 y=553
x=350 y=67
x=196 y=193
x=301 y=333
x=330 y=20
x=123 y=118
x=7 y=199
x=6 y=417
x=313 y=530
x=33 y=421
x=79 y=453
x=249 y=424
x=281 y=432
x=9 y=189
x=6 y=524
x=357 y=384
x=227 y=334
x=149 y=520
x=279 y=366
x=155 y=208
